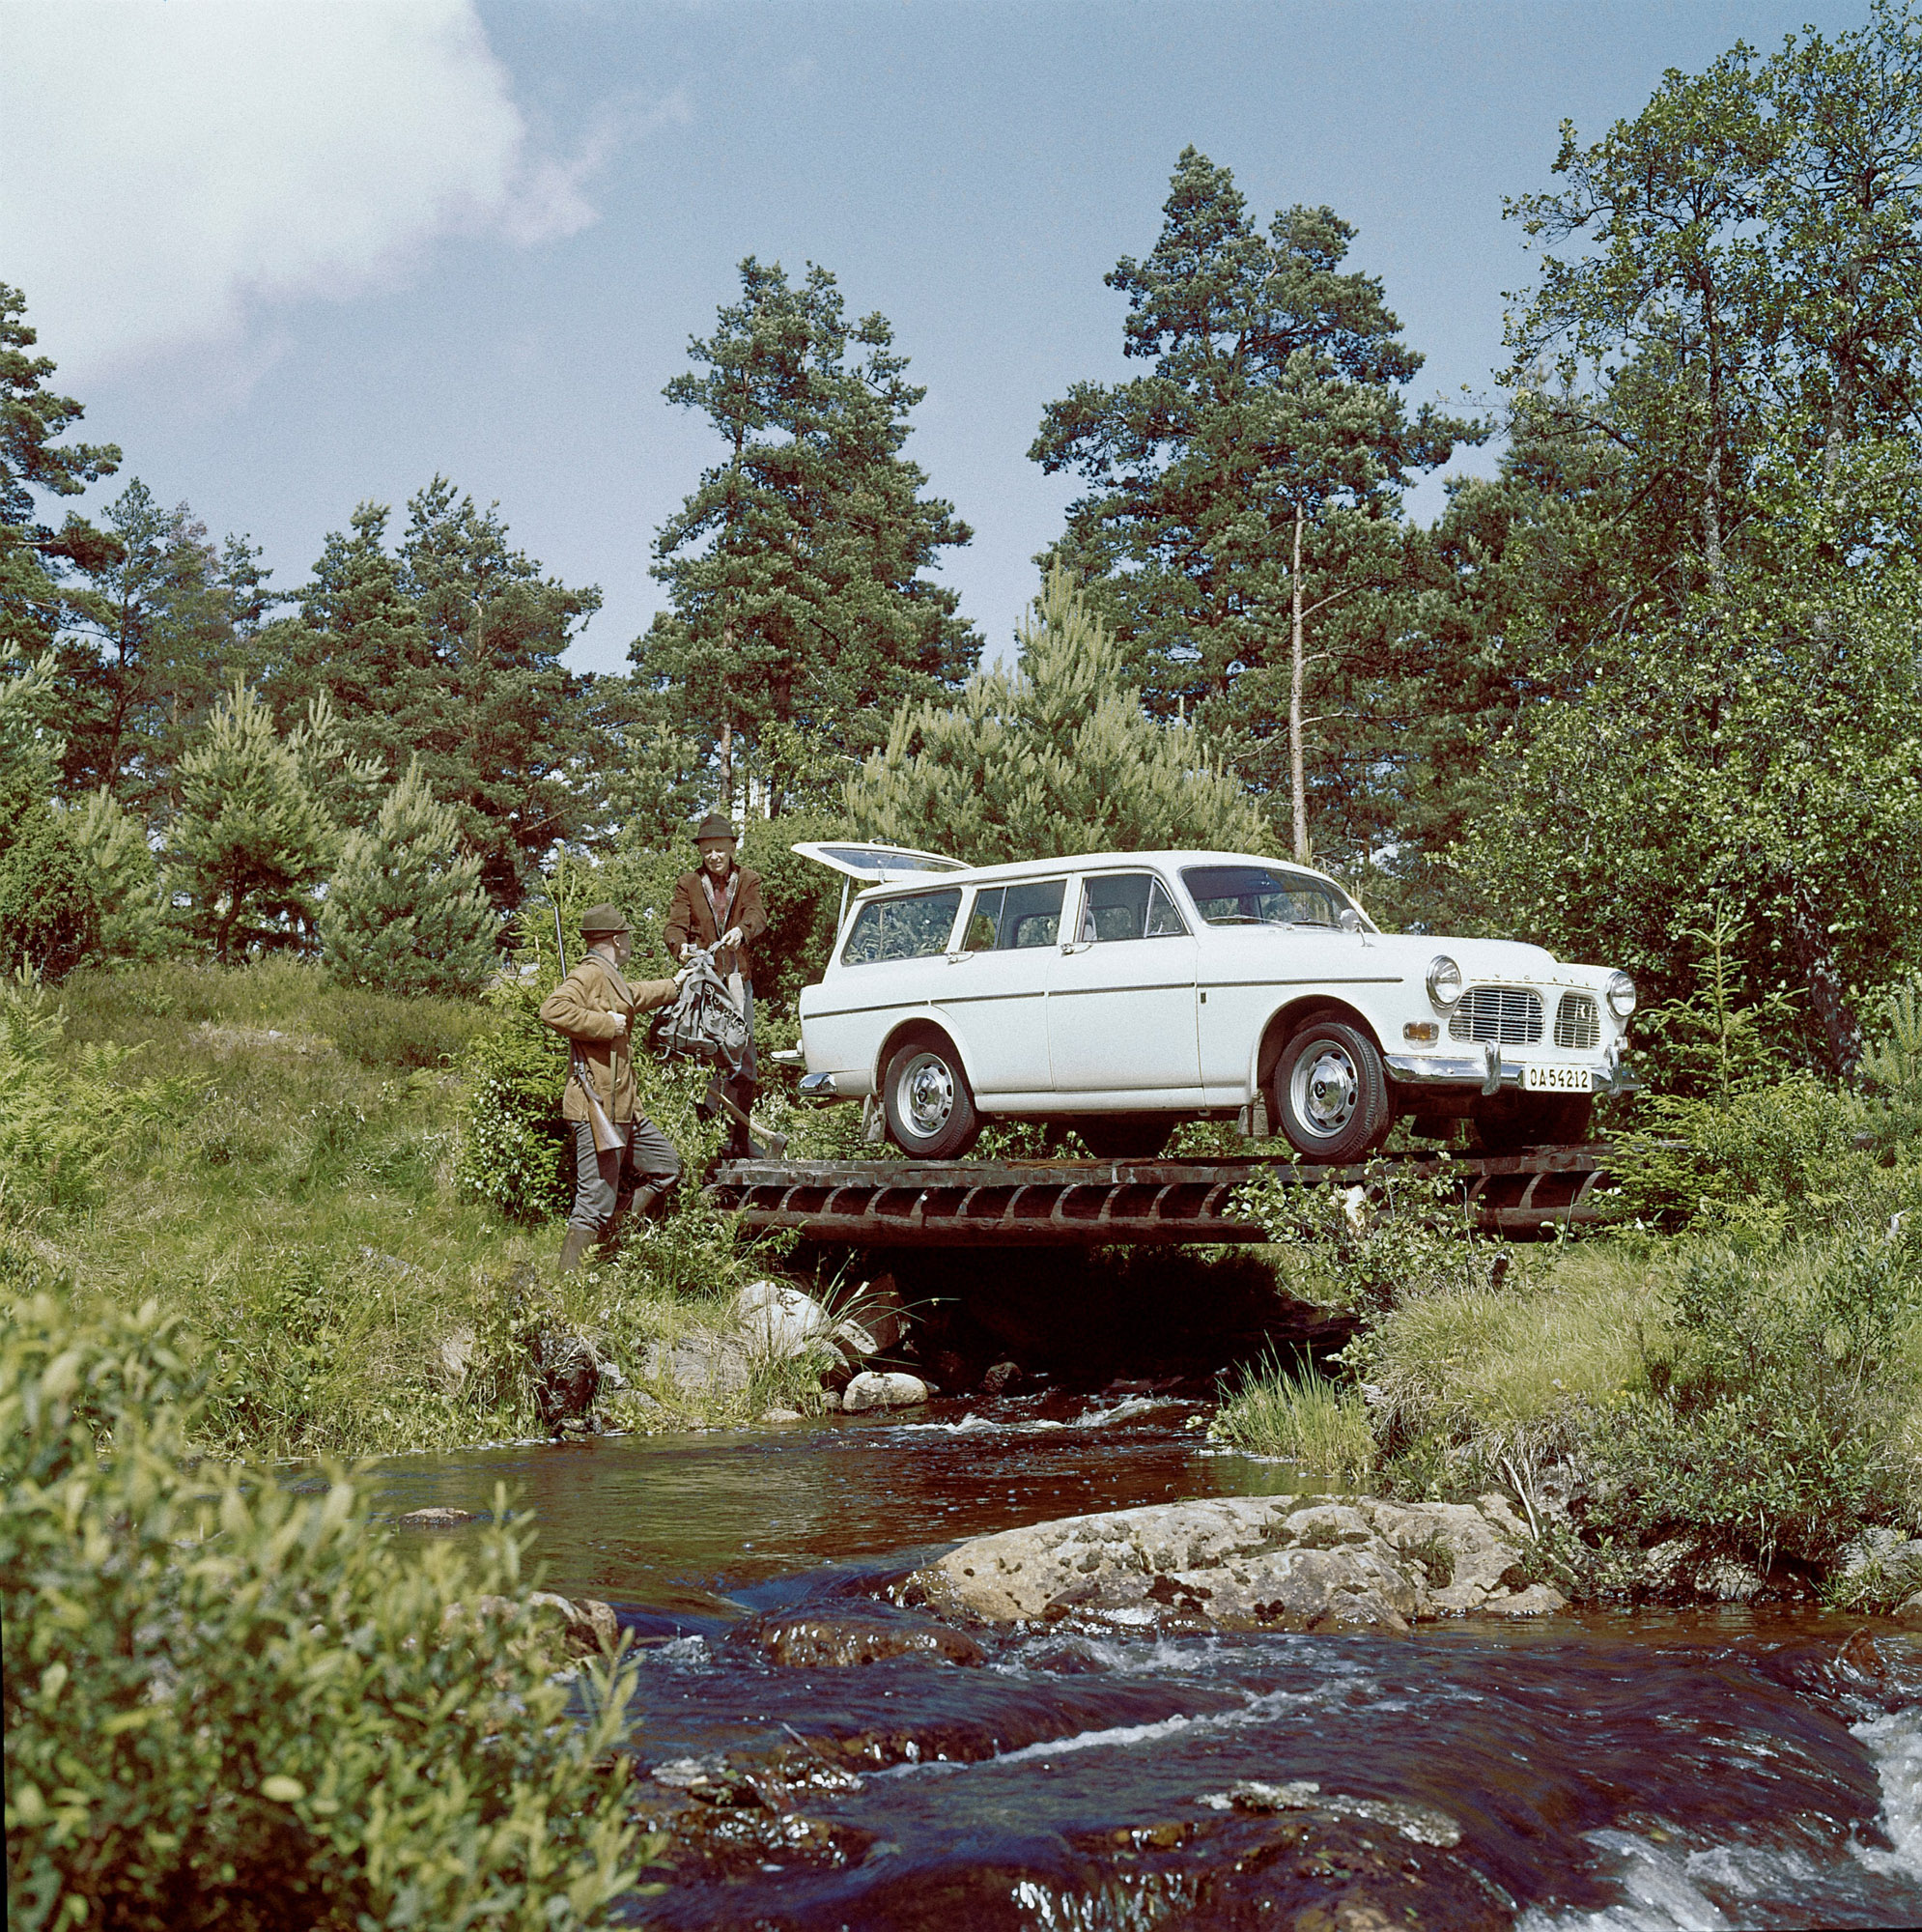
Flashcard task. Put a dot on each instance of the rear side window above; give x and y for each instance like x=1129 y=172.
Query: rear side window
x=1128 y=905
x=904 y=929
x=1008 y=919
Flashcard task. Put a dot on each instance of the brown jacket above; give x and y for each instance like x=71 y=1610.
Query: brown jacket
x=584 y=1007
x=690 y=919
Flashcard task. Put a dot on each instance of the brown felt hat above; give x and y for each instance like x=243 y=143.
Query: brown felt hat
x=714 y=826
x=602 y=919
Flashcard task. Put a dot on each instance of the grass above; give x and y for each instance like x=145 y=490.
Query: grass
x=1299 y=1416
x=1513 y=1362
x=291 y=1197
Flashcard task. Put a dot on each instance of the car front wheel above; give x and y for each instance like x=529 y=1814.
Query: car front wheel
x=1331 y=1093
x=930 y=1111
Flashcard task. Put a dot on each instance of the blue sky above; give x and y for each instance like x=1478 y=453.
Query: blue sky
x=292 y=257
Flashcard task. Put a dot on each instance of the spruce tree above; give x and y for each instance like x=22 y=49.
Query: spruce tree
x=405 y=911
x=1057 y=759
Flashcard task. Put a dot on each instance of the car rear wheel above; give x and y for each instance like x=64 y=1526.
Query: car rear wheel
x=1530 y=1119
x=1125 y=1136
x=929 y=1107
x=1331 y=1093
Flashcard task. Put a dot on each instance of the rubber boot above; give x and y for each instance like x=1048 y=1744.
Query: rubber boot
x=646 y=1199
x=609 y=1236
x=573 y=1248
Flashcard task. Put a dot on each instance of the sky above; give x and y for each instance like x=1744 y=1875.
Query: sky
x=292 y=255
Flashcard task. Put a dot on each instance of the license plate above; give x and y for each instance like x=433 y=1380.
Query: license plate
x=1556 y=1080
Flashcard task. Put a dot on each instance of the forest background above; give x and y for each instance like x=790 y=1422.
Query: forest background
x=1654 y=681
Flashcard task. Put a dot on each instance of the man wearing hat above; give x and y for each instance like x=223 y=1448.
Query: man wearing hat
x=720 y=904
x=593 y=1007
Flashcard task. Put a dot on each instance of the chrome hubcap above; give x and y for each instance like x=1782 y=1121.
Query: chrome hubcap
x=1326 y=1090
x=925 y=1095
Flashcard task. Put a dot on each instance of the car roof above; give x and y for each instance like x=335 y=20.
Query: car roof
x=1090 y=862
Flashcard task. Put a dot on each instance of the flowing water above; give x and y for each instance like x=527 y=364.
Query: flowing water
x=1619 y=1770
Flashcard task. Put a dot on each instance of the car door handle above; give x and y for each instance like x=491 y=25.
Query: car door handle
x=1076 y=945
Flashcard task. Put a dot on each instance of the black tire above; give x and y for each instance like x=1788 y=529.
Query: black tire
x=929 y=1105
x=1533 y=1120
x=1330 y=1092
x=1125 y=1136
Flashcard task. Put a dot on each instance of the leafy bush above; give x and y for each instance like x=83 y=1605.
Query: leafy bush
x=1759 y=1158
x=230 y=1704
x=1776 y=1414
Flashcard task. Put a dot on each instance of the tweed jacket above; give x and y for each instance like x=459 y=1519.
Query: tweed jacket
x=583 y=1007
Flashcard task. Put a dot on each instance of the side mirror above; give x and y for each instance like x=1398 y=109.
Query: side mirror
x=1349 y=920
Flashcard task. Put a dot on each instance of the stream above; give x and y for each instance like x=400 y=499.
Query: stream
x=1608 y=1770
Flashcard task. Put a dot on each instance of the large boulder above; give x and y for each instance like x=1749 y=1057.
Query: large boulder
x=1248 y=1563
x=699 y=1363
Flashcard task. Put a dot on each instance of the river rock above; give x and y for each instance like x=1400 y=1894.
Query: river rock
x=700 y=1363
x=1248 y=1563
x=890 y=1390
x=837 y=1643
x=436 y=1518
x=778 y=1320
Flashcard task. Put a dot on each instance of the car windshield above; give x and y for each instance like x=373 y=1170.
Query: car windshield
x=1263 y=895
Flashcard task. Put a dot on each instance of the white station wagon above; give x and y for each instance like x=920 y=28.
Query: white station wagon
x=1122 y=993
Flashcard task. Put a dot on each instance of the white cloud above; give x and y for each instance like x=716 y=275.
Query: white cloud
x=170 y=169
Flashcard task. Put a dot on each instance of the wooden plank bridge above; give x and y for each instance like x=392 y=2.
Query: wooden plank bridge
x=892 y=1203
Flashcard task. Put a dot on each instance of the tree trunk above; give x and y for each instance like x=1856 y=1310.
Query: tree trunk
x=1711 y=484
x=1297 y=673
x=1830 y=1004
x=725 y=782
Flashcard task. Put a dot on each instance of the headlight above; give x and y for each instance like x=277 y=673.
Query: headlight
x=1444 y=981
x=1621 y=995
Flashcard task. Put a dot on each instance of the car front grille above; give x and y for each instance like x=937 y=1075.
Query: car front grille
x=1578 y=1022
x=1509 y=1014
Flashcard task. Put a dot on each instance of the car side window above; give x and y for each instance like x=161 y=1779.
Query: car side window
x=984 y=922
x=914 y=927
x=1031 y=914
x=1127 y=905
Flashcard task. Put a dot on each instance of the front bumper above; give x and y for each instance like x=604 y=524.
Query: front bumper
x=1489 y=1071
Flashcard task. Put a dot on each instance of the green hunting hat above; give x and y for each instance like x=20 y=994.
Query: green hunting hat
x=602 y=919
x=714 y=826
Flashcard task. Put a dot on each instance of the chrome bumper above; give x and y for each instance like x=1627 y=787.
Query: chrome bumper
x=1489 y=1071
x=818 y=1086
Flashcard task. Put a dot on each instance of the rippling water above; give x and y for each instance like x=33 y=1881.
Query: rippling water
x=1644 y=1771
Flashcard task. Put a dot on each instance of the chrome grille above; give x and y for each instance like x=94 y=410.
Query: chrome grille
x=1509 y=1014
x=1578 y=1022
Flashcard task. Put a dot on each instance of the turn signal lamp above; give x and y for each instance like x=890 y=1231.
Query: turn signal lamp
x=1425 y=1032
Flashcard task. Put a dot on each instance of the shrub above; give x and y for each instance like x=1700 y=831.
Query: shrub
x=1759 y=1159
x=50 y=919
x=227 y=1703
x=125 y=878
x=59 y=1123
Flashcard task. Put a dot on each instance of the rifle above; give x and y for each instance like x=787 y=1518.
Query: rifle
x=607 y=1136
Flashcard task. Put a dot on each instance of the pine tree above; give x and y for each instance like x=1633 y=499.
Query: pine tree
x=796 y=569
x=48 y=916
x=32 y=557
x=405 y=911
x=253 y=837
x=1057 y=759
x=125 y=876
x=449 y=648
x=1241 y=524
